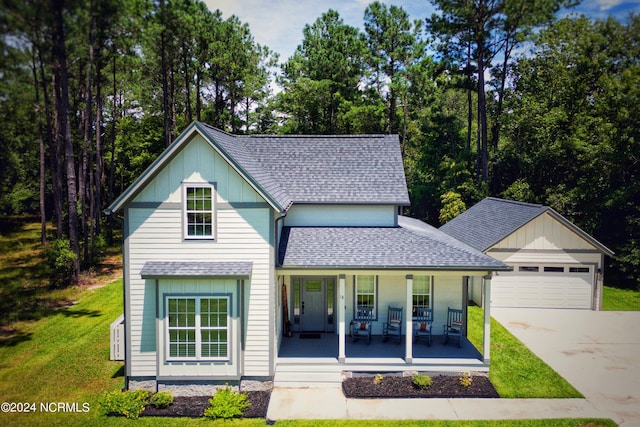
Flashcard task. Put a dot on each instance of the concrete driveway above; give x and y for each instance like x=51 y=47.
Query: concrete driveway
x=598 y=352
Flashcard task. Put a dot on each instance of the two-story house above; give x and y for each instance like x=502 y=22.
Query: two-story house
x=233 y=243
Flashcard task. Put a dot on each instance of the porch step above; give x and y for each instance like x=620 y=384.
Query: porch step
x=308 y=376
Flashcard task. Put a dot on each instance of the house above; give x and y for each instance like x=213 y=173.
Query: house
x=232 y=243
x=555 y=263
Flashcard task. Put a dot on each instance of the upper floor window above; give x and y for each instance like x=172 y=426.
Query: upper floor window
x=199 y=211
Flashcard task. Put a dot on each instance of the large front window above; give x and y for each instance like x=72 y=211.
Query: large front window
x=198 y=328
x=366 y=293
x=199 y=212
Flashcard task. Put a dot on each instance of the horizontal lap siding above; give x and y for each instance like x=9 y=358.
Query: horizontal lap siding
x=156 y=235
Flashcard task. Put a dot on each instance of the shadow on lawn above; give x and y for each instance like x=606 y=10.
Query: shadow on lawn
x=12 y=338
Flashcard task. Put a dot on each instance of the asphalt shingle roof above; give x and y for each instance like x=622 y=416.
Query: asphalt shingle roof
x=411 y=245
x=158 y=269
x=331 y=169
x=491 y=220
x=336 y=169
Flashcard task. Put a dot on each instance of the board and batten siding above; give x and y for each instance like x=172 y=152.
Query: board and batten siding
x=544 y=233
x=242 y=234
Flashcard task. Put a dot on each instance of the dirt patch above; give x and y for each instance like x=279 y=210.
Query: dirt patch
x=397 y=386
x=109 y=269
x=193 y=407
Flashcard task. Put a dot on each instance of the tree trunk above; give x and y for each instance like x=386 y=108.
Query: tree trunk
x=187 y=84
x=88 y=126
x=114 y=121
x=165 y=88
x=42 y=150
x=482 y=118
x=61 y=81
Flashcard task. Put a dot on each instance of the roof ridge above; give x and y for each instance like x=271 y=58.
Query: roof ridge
x=288 y=136
x=516 y=202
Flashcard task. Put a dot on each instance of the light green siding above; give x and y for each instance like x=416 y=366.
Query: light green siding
x=155 y=227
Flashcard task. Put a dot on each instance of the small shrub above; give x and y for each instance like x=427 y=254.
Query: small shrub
x=161 y=399
x=226 y=404
x=465 y=379
x=421 y=381
x=127 y=403
x=60 y=259
x=378 y=379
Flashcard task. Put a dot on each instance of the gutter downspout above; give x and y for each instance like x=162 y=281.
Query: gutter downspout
x=282 y=216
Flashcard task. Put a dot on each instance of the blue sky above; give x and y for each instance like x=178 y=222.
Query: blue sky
x=279 y=23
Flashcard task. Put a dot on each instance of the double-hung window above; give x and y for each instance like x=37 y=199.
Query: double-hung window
x=199 y=211
x=421 y=292
x=366 y=293
x=198 y=328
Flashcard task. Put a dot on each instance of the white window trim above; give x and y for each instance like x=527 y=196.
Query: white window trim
x=375 y=294
x=198 y=330
x=185 y=220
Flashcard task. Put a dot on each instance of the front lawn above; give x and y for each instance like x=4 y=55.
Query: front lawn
x=515 y=371
x=614 y=299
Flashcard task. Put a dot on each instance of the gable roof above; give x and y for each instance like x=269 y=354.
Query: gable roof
x=491 y=220
x=347 y=169
x=411 y=245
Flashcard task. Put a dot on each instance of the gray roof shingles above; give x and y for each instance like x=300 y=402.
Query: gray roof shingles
x=157 y=269
x=491 y=220
x=333 y=169
x=403 y=247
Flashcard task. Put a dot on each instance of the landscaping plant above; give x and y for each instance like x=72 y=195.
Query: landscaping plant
x=128 y=403
x=161 y=399
x=421 y=381
x=226 y=403
x=465 y=379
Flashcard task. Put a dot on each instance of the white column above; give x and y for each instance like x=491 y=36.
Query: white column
x=486 y=337
x=409 y=321
x=341 y=321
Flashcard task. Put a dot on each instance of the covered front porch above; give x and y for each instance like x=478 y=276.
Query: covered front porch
x=318 y=309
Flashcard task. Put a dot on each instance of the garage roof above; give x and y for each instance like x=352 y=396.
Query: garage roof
x=491 y=220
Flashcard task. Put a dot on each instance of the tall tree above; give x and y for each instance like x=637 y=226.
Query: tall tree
x=328 y=66
x=61 y=90
x=394 y=44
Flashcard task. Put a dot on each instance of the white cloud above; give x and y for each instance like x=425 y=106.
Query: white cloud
x=605 y=5
x=278 y=24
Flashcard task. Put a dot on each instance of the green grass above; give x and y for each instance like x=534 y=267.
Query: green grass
x=62 y=354
x=614 y=299
x=515 y=371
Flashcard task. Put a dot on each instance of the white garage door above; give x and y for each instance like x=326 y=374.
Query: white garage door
x=544 y=286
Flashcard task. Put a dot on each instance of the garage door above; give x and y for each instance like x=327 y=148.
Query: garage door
x=544 y=286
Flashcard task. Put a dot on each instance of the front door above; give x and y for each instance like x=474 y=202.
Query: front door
x=313 y=305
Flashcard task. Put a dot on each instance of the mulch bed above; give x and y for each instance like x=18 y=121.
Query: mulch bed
x=395 y=386
x=194 y=407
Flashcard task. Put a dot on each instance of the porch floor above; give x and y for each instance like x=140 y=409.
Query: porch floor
x=325 y=350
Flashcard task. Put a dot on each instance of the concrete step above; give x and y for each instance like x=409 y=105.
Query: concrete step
x=299 y=376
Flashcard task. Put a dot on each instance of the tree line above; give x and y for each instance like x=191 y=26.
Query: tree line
x=489 y=97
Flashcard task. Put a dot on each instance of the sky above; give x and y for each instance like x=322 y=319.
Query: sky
x=278 y=24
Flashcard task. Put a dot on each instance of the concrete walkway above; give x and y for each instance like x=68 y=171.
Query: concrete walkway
x=330 y=403
x=597 y=352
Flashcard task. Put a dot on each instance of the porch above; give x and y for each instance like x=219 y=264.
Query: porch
x=302 y=361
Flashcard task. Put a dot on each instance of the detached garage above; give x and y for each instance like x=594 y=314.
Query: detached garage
x=555 y=263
